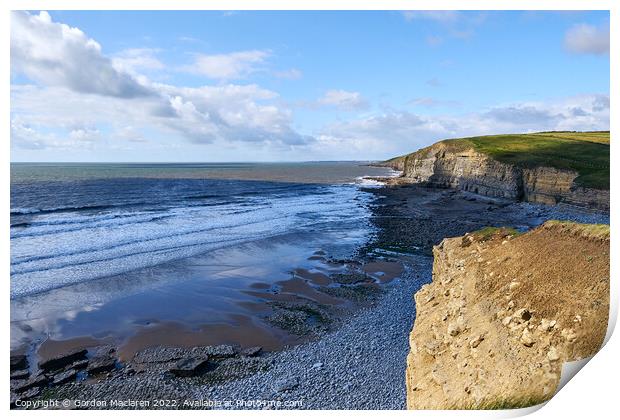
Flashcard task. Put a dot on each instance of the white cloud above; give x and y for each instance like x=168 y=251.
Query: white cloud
x=134 y=60
x=26 y=137
x=208 y=114
x=231 y=66
x=587 y=39
x=85 y=134
x=83 y=99
x=80 y=90
x=343 y=99
x=55 y=54
x=396 y=132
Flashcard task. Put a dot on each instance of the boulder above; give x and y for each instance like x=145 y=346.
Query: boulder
x=64 y=377
x=20 y=374
x=21 y=386
x=19 y=362
x=31 y=393
x=222 y=351
x=190 y=367
x=99 y=364
x=59 y=362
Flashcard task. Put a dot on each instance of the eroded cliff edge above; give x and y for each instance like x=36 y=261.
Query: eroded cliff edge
x=504 y=312
x=548 y=168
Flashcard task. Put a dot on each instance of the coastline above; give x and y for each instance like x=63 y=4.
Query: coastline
x=330 y=370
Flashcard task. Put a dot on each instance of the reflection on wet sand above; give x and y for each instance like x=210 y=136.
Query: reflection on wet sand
x=243 y=331
x=383 y=271
x=227 y=297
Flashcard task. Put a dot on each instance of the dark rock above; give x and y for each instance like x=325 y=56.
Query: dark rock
x=20 y=386
x=64 y=377
x=31 y=393
x=221 y=351
x=251 y=351
x=20 y=374
x=350 y=278
x=190 y=367
x=78 y=365
x=167 y=355
x=59 y=362
x=158 y=355
x=19 y=362
x=99 y=364
x=14 y=399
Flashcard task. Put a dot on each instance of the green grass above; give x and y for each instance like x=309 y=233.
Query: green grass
x=489 y=232
x=586 y=153
x=591 y=231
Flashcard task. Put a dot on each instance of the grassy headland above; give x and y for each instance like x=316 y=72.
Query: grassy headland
x=586 y=153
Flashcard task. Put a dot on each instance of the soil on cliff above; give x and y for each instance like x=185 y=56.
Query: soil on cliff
x=504 y=312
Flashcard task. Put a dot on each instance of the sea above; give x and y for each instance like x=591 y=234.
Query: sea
x=86 y=237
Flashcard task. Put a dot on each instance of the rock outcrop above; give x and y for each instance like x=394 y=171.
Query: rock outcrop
x=448 y=165
x=504 y=312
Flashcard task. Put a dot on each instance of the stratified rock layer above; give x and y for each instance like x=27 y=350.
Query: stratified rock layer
x=502 y=314
x=463 y=168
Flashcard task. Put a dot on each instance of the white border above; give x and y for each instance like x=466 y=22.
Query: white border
x=592 y=394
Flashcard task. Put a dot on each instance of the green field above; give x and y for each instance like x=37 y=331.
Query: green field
x=587 y=153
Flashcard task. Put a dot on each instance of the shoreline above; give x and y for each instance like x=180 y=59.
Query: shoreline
x=331 y=370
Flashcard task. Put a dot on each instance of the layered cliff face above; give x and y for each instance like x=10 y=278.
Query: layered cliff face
x=460 y=166
x=504 y=312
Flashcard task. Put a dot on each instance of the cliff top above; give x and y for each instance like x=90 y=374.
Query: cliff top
x=505 y=310
x=586 y=153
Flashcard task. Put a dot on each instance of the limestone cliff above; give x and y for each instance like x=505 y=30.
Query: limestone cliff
x=458 y=166
x=503 y=312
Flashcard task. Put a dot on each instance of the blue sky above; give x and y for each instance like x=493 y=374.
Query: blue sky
x=260 y=86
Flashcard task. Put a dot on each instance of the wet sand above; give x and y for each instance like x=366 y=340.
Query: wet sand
x=227 y=297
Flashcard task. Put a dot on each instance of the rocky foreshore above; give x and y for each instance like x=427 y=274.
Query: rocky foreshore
x=330 y=367
x=504 y=168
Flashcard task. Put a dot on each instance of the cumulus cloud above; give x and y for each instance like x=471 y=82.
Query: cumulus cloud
x=26 y=137
x=587 y=39
x=85 y=134
x=79 y=90
x=56 y=54
x=234 y=112
x=396 y=132
x=231 y=66
x=135 y=60
x=343 y=99
x=583 y=112
x=203 y=115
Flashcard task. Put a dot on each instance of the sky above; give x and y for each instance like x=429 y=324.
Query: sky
x=207 y=86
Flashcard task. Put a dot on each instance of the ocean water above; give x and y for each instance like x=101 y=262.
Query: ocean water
x=73 y=223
